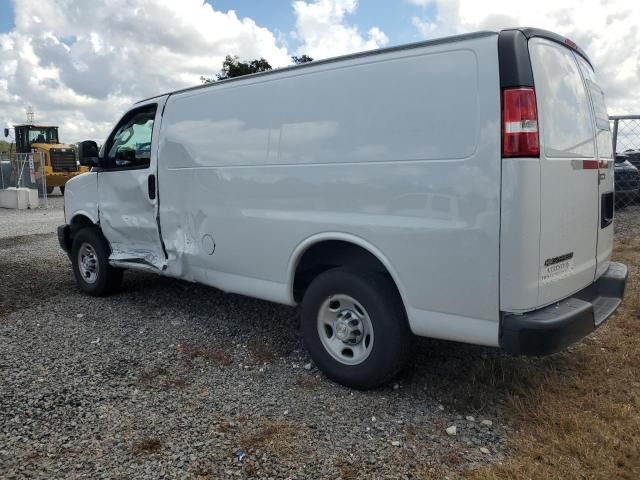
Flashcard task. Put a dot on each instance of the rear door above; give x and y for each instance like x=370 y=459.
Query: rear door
x=604 y=151
x=569 y=193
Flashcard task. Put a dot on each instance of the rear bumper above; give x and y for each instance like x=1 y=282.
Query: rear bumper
x=552 y=328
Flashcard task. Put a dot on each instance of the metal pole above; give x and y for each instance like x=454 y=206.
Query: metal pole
x=44 y=180
x=615 y=136
x=21 y=163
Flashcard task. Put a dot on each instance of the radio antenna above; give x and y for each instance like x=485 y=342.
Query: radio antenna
x=30 y=115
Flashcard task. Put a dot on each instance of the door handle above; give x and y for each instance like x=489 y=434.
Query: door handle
x=151 y=186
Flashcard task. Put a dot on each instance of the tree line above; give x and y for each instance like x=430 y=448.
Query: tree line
x=232 y=66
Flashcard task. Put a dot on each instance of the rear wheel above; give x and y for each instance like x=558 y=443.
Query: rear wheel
x=49 y=190
x=355 y=327
x=90 y=260
x=62 y=189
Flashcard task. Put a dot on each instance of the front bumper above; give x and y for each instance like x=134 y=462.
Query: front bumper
x=552 y=328
x=64 y=238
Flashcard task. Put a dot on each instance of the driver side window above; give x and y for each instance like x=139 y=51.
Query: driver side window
x=130 y=145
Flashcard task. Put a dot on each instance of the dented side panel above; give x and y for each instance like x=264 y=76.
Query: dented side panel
x=247 y=175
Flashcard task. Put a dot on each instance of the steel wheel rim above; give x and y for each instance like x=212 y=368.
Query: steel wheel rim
x=345 y=329
x=88 y=263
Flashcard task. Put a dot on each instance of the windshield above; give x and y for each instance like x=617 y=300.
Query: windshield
x=43 y=135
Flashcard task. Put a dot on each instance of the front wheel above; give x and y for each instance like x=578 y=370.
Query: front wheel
x=62 y=190
x=355 y=327
x=90 y=262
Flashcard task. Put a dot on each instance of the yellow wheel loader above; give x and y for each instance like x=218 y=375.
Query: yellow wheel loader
x=59 y=159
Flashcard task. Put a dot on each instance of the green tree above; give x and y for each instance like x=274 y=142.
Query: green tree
x=233 y=67
x=301 y=59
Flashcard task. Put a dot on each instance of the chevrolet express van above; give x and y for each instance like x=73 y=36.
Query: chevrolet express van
x=459 y=189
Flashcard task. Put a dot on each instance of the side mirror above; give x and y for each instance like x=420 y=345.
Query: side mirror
x=6 y=132
x=88 y=153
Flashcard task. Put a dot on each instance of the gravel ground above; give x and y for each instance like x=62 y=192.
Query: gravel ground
x=172 y=379
x=627 y=222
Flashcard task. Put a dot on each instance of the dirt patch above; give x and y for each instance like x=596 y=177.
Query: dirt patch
x=161 y=378
x=146 y=445
x=23 y=283
x=263 y=351
x=307 y=382
x=22 y=240
x=211 y=353
x=348 y=470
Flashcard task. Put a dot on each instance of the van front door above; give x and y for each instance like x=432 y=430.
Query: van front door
x=127 y=189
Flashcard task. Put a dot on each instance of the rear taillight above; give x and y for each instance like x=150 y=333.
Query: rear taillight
x=519 y=123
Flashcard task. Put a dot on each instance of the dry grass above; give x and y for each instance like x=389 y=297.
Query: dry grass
x=307 y=382
x=211 y=353
x=200 y=470
x=349 y=471
x=263 y=351
x=146 y=445
x=148 y=376
x=160 y=377
x=277 y=436
x=577 y=414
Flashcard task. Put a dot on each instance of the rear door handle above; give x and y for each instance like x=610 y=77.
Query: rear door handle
x=151 y=186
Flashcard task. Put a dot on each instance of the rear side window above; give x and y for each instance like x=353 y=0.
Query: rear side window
x=603 y=137
x=563 y=105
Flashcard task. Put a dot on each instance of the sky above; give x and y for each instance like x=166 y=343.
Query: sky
x=81 y=63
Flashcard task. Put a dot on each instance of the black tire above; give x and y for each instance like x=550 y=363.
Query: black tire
x=62 y=189
x=392 y=339
x=49 y=190
x=107 y=278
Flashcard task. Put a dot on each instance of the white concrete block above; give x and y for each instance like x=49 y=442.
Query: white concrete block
x=18 y=198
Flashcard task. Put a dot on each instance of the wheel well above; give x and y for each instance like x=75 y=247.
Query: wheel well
x=329 y=254
x=80 y=221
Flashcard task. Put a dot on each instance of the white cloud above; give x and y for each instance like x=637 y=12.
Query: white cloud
x=606 y=29
x=323 y=31
x=81 y=63
x=88 y=61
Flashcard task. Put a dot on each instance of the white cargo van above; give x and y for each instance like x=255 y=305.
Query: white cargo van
x=459 y=189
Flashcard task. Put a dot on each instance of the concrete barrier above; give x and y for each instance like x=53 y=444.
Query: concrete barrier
x=18 y=198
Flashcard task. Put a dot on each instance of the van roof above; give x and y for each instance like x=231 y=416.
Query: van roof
x=528 y=32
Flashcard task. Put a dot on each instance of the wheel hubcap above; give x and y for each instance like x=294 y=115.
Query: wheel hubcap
x=345 y=329
x=88 y=263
